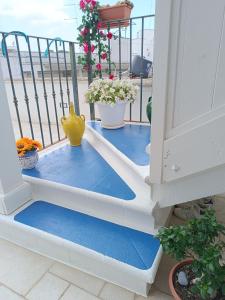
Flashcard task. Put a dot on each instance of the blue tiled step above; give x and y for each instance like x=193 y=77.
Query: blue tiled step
x=131 y=140
x=82 y=167
x=132 y=247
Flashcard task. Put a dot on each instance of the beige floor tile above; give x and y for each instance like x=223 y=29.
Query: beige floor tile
x=75 y=293
x=20 y=269
x=161 y=280
x=6 y=294
x=80 y=279
x=114 y=292
x=49 y=287
x=155 y=295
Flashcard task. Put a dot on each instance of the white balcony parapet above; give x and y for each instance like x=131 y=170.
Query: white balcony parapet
x=14 y=192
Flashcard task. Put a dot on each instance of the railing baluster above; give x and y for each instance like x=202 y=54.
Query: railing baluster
x=59 y=74
x=35 y=91
x=142 y=66
x=67 y=83
x=24 y=87
x=74 y=77
x=60 y=67
x=15 y=100
x=120 y=71
x=45 y=92
x=53 y=90
x=131 y=73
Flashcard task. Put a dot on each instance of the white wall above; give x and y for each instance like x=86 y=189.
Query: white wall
x=148 y=44
x=188 y=139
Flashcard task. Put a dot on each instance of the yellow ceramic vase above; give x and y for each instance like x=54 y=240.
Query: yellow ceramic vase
x=73 y=126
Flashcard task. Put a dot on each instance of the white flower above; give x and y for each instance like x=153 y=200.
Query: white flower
x=111 y=91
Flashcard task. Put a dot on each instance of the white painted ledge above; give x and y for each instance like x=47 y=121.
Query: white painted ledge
x=14 y=199
x=107 y=150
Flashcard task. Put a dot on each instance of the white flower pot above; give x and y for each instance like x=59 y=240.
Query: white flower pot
x=29 y=160
x=112 y=116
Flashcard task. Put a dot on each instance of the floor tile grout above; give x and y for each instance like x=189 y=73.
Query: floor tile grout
x=35 y=283
x=9 y=288
x=71 y=283
x=39 y=279
x=101 y=289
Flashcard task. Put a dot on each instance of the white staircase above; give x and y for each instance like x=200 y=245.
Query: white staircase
x=141 y=214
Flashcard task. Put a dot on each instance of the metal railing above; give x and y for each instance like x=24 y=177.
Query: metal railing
x=129 y=26
x=40 y=73
x=41 y=76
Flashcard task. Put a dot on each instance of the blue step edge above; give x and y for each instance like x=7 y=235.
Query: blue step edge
x=131 y=140
x=132 y=247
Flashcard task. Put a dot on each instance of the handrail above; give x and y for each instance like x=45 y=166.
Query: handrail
x=3 y=42
x=57 y=39
x=34 y=37
x=128 y=19
x=38 y=62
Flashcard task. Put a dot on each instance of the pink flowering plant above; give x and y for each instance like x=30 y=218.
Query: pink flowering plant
x=92 y=39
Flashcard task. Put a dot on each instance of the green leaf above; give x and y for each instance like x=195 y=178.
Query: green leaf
x=211 y=267
x=223 y=289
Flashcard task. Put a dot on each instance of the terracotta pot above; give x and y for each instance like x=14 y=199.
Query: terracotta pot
x=172 y=274
x=115 y=12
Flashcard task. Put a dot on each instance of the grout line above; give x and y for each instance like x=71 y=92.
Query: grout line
x=36 y=282
x=63 y=293
x=71 y=283
x=59 y=277
x=101 y=289
x=9 y=288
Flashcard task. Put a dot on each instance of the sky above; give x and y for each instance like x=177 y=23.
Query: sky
x=53 y=18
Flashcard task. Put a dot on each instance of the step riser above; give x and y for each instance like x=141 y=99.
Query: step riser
x=86 y=260
x=109 y=152
x=106 y=208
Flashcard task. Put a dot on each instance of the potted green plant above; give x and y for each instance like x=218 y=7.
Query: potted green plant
x=149 y=109
x=149 y=116
x=111 y=97
x=119 y=11
x=199 y=246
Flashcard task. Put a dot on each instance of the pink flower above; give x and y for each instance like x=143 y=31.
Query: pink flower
x=92 y=48
x=85 y=45
x=88 y=1
x=109 y=35
x=99 y=67
x=93 y=3
x=104 y=55
x=101 y=33
x=111 y=76
x=99 y=25
x=84 y=31
x=82 y=5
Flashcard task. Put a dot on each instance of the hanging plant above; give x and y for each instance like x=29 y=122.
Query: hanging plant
x=92 y=39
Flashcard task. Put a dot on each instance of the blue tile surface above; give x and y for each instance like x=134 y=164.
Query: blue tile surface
x=129 y=246
x=131 y=140
x=82 y=167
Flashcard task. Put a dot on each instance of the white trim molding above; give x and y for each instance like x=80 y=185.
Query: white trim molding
x=13 y=190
